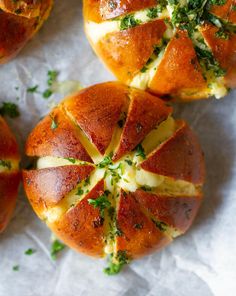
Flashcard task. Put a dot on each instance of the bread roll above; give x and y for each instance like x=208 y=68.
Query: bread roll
x=19 y=21
x=183 y=51
x=115 y=173
x=9 y=173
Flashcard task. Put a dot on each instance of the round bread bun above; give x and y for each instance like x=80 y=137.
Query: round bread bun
x=9 y=173
x=19 y=21
x=115 y=173
x=184 y=51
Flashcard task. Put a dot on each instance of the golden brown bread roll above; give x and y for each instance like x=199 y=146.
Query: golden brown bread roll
x=177 y=49
x=19 y=21
x=115 y=174
x=9 y=173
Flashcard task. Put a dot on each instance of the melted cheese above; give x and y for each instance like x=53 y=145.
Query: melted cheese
x=97 y=31
x=164 y=131
x=89 y=146
x=143 y=80
x=53 y=214
x=124 y=174
x=50 y=162
x=218 y=89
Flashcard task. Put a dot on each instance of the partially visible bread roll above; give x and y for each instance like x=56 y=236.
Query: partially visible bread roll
x=115 y=174
x=9 y=173
x=182 y=50
x=19 y=21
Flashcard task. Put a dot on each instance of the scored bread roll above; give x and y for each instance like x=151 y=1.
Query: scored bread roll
x=19 y=21
x=9 y=173
x=115 y=173
x=177 y=49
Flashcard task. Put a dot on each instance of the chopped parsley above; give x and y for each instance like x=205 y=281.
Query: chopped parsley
x=118 y=231
x=80 y=191
x=54 y=124
x=140 y=151
x=208 y=62
x=111 y=212
x=116 y=263
x=144 y=69
x=72 y=160
x=129 y=161
x=9 y=109
x=16 y=268
x=153 y=12
x=33 y=89
x=30 y=251
x=105 y=162
x=5 y=164
x=138 y=226
x=101 y=202
x=47 y=93
x=52 y=77
x=87 y=181
x=129 y=21
x=192 y=14
x=222 y=34
x=162 y=226
x=146 y=188
x=56 y=248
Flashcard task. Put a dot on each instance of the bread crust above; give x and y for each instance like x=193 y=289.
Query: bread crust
x=16 y=29
x=180 y=157
x=103 y=10
x=224 y=50
x=9 y=184
x=9 y=176
x=103 y=215
x=116 y=48
x=152 y=48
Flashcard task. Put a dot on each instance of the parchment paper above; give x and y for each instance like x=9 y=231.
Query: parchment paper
x=201 y=263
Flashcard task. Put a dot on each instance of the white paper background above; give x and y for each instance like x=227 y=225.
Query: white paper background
x=201 y=263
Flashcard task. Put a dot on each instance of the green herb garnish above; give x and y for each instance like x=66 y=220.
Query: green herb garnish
x=161 y=225
x=116 y=263
x=5 y=164
x=140 y=151
x=106 y=161
x=138 y=226
x=33 y=89
x=129 y=162
x=54 y=124
x=30 y=251
x=52 y=77
x=101 y=202
x=16 y=268
x=56 y=247
x=9 y=109
x=80 y=191
x=47 y=93
x=72 y=160
x=146 y=188
x=129 y=22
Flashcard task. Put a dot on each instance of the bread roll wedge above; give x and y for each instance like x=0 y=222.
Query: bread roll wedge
x=19 y=21
x=9 y=173
x=184 y=50
x=115 y=173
